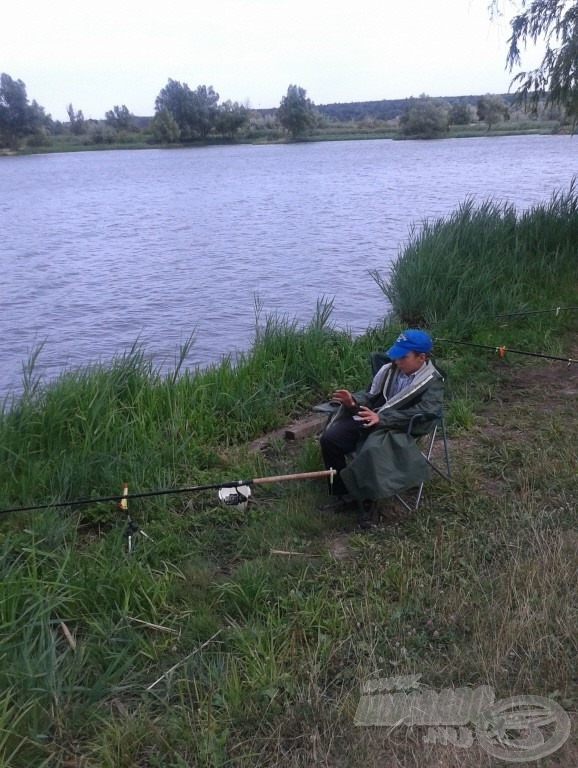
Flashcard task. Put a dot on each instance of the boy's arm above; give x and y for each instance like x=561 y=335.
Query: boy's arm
x=430 y=402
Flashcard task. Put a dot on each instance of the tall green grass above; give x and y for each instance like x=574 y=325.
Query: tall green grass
x=92 y=429
x=483 y=260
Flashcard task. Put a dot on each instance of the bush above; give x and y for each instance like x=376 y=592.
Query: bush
x=424 y=118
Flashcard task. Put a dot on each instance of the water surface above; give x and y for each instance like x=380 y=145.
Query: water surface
x=101 y=248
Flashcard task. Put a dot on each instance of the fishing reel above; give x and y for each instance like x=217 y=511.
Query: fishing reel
x=237 y=496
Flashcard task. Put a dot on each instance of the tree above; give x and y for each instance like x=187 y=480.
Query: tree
x=554 y=22
x=40 y=126
x=78 y=124
x=195 y=112
x=101 y=133
x=230 y=118
x=165 y=128
x=424 y=118
x=175 y=99
x=15 y=113
x=205 y=108
x=461 y=113
x=120 y=118
x=490 y=109
x=296 y=112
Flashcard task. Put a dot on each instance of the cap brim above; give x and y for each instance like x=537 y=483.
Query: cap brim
x=397 y=351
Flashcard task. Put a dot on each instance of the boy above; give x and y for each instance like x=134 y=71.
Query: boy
x=373 y=423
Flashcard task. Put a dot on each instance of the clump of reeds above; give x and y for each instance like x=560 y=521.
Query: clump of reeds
x=485 y=259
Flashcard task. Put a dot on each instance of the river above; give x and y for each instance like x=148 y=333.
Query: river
x=99 y=249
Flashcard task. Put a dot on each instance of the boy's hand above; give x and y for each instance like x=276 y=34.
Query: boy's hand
x=370 y=418
x=344 y=397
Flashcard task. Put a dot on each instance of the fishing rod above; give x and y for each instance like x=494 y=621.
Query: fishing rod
x=557 y=310
x=501 y=350
x=234 y=487
x=521 y=313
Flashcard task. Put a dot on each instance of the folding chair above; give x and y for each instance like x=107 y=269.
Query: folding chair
x=437 y=425
x=435 y=428
x=437 y=422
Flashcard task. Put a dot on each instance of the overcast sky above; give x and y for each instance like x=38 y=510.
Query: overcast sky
x=97 y=54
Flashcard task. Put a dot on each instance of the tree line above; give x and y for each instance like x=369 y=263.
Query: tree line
x=184 y=115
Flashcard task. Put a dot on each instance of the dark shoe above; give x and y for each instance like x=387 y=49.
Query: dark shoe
x=367 y=514
x=340 y=504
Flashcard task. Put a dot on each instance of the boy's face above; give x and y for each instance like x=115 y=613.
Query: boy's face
x=411 y=362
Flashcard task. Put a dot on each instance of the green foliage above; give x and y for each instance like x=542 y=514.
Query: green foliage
x=555 y=23
x=490 y=109
x=164 y=127
x=231 y=118
x=205 y=101
x=101 y=134
x=460 y=414
x=296 y=112
x=424 y=118
x=231 y=121
x=17 y=117
x=93 y=429
x=461 y=113
x=194 y=112
x=39 y=138
x=175 y=98
x=78 y=125
x=120 y=119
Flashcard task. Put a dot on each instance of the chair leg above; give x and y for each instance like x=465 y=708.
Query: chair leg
x=427 y=456
x=415 y=506
x=446 y=449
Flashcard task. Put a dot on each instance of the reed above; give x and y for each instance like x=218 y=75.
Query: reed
x=485 y=259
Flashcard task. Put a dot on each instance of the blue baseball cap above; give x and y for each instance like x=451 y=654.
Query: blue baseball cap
x=411 y=340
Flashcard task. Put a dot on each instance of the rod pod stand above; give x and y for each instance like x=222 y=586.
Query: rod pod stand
x=132 y=528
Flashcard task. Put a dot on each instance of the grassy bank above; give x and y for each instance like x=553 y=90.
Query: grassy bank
x=241 y=637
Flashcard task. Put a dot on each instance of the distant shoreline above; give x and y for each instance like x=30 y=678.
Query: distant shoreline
x=330 y=133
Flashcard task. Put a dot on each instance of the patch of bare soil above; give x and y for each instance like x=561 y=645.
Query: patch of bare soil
x=338 y=545
x=543 y=388
x=545 y=384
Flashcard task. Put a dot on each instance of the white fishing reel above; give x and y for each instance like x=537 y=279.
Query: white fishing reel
x=238 y=496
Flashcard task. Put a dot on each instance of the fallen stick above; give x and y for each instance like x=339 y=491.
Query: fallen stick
x=182 y=661
x=283 y=552
x=153 y=626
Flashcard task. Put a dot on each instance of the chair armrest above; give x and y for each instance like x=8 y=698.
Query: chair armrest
x=330 y=408
x=432 y=417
